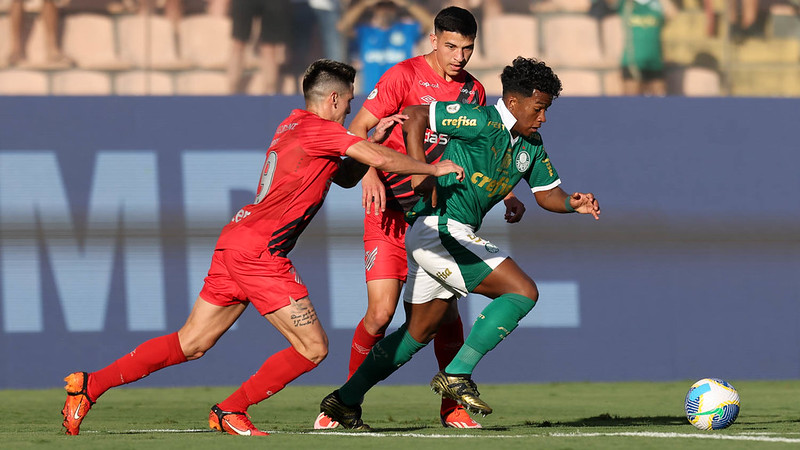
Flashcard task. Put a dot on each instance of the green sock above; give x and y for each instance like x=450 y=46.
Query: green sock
x=388 y=355
x=495 y=322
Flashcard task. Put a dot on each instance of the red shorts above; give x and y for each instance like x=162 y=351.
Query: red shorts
x=268 y=282
x=385 y=246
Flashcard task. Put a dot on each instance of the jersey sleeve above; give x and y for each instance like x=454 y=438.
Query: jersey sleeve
x=481 y=93
x=458 y=120
x=541 y=176
x=320 y=137
x=390 y=91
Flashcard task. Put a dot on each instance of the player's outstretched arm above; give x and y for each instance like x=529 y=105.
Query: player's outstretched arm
x=388 y=160
x=414 y=135
x=373 y=192
x=350 y=173
x=557 y=200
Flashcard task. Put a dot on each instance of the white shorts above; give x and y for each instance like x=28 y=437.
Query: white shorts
x=446 y=259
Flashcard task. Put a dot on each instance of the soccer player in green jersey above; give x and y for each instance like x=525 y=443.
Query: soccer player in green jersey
x=498 y=146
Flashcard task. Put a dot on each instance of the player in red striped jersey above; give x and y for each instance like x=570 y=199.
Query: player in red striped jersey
x=251 y=264
x=438 y=75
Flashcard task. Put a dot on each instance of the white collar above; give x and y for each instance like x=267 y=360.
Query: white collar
x=508 y=119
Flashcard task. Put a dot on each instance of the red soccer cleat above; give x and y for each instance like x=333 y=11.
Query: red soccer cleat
x=231 y=422
x=77 y=404
x=458 y=418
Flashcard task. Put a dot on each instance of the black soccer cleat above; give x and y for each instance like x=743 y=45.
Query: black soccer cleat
x=347 y=416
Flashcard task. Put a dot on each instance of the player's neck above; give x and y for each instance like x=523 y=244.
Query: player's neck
x=433 y=63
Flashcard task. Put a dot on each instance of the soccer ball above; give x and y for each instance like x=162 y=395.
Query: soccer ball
x=711 y=404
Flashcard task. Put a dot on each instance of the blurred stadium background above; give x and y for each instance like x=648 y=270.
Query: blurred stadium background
x=117 y=174
x=119 y=51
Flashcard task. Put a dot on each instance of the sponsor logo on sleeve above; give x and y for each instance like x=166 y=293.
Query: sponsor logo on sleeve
x=373 y=94
x=549 y=166
x=453 y=108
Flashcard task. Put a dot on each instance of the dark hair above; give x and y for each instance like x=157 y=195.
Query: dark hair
x=526 y=75
x=456 y=20
x=325 y=75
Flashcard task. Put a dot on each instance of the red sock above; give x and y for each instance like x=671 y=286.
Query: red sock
x=276 y=372
x=145 y=359
x=449 y=339
x=359 y=349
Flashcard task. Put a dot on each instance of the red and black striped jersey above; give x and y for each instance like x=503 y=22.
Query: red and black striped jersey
x=301 y=161
x=414 y=82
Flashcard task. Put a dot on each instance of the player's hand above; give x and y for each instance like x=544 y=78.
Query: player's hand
x=373 y=193
x=446 y=166
x=385 y=126
x=585 y=204
x=514 y=208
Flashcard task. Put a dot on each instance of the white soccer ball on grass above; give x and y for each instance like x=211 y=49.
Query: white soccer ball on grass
x=711 y=404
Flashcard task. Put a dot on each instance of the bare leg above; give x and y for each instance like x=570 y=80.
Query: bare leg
x=270 y=62
x=235 y=66
x=205 y=325
x=15 y=15
x=749 y=13
x=50 y=20
x=631 y=87
x=657 y=88
x=382 y=298
x=299 y=324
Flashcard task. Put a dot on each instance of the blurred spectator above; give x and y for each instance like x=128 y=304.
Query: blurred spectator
x=173 y=9
x=642 y=57
x=386 y=37
x=54 y=57
x=273 y=36
x=314 y=36
x=743 y=15
x=328 y=13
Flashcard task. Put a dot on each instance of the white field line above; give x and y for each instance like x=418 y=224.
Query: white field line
x=725 y=437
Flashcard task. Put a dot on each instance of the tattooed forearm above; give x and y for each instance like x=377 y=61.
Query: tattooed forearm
x=303 y=313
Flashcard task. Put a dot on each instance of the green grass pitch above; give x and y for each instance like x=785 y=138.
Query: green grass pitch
x=619 y=416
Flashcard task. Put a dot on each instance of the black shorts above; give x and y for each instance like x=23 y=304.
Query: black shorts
x=647 y=75
x=274 y=15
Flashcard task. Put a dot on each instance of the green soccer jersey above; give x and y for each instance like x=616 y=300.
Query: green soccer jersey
x=643 y=21
x=493 y=161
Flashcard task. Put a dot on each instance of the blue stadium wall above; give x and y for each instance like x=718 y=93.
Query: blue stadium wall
x=109 y=209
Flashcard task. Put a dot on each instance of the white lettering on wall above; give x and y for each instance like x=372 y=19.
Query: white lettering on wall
x=36 y=220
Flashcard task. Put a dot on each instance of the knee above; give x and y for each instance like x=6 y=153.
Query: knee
x=196 y=348
x=528 y=290
x=315 y=351
x=378 y=319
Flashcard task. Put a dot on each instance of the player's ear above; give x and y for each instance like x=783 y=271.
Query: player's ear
x=432 y=38
x=510 y=101
x=334 y=98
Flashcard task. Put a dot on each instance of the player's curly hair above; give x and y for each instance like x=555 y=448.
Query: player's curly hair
x=326 y=74
x=456 y=20
x=525 y=75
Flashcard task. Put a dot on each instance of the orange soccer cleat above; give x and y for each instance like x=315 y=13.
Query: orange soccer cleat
x=231 y=422
x=77 y=404
x=458 y=418
x=324 y=422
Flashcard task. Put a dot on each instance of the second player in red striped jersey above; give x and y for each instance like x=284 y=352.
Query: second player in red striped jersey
x=437 y=75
